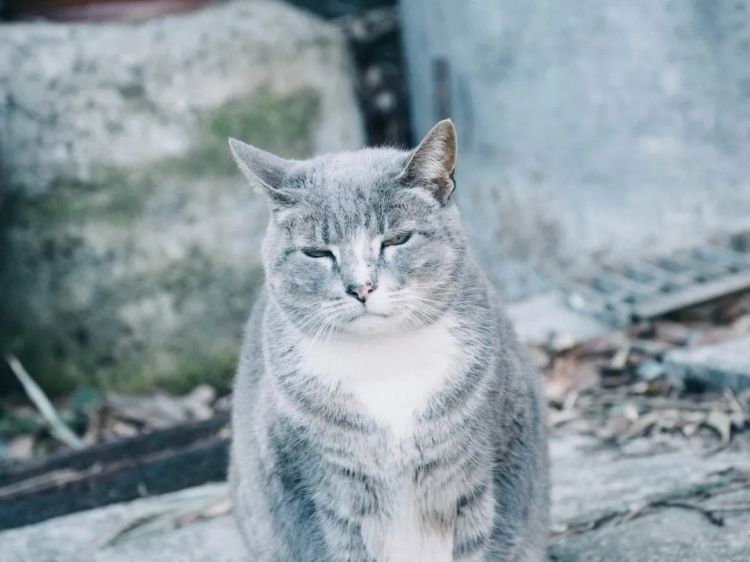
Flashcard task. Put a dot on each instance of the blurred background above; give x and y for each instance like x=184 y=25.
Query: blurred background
x=602 y=176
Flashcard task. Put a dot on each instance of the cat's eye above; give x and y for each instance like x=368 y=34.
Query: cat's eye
x=397 y=240
x=317 y=253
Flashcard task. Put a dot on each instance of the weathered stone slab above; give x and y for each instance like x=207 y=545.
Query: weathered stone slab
x=724 y=365
x=673 y=535
x=546 y=320
x=588 y=480
x=130 y=244
x=143 y=530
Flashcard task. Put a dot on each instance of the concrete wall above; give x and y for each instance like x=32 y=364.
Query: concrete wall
x=587 y=128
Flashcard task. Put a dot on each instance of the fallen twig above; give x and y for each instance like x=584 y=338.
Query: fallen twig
x=738 y=507
x=174 y=515
x=721 y=482
x=709 y=514
x=57 y=427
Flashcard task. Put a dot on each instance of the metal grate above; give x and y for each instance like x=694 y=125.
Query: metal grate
x=653 y=287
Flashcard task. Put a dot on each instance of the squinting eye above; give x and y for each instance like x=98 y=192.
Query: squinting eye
x=315 y=253
x=397 y=240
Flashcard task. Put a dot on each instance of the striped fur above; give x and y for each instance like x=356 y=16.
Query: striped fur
x=406 y=429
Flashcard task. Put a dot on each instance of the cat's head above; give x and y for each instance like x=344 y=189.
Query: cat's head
x=361 y=242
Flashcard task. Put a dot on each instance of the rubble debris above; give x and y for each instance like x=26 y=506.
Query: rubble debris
x=160 y=410
x=546 y=320
x=149 y=464
x=650 y=370
x=621 y=386
x=724 y=365
x=102 y=417
x=650 y=288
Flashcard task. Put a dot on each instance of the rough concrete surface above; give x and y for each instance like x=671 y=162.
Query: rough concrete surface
x=588 y=480
x=673 y=535
x=546 y=320
x=101 y=535
x=588 y=128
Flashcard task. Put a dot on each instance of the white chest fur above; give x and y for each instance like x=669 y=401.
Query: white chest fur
x=392 y=376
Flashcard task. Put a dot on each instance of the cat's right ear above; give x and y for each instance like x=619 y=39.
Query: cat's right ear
x=263 y=170
x=433 y=162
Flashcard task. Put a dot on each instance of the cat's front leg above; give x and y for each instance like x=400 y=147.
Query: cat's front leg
x=406 y=535
x=344 y=542
x=474 y=523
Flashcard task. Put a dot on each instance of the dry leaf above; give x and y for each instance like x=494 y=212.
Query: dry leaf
x=721 y=423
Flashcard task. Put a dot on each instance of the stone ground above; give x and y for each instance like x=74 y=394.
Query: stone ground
x=641 y=470
x=646 y=501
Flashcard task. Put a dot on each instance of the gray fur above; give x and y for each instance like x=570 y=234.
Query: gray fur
x=310 y=470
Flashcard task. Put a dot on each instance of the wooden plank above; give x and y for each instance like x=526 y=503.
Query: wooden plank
x=128 y=479
x=171 y=438
x=691 y=296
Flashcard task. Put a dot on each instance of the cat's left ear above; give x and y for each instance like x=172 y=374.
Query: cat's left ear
x=432 y=163
x=263 y=170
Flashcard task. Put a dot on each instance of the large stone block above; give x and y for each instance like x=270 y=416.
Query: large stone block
x=130 y=245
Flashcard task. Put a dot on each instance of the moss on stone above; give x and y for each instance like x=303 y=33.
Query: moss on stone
x=216 y=370
x=282 y=124
x=116 y=197
x=69 y=241
x=66 y=346
x=62 y=364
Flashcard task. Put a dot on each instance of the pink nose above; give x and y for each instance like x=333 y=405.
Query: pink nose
x=361 y=292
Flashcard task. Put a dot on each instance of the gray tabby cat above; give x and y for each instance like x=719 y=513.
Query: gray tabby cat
x=383 y=411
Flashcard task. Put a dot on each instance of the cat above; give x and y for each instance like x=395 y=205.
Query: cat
x=383 y=410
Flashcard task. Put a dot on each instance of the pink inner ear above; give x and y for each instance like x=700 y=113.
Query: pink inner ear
x=433 y=162
x=435 y=156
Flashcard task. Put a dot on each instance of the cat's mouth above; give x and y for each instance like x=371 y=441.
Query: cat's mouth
x=370 y=313
x=368 y=317
x=373 y=313
x=368 y=322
